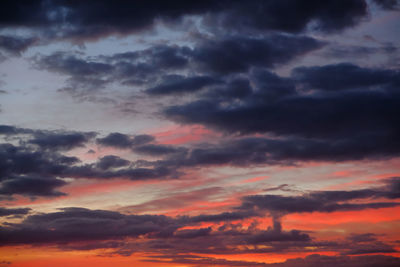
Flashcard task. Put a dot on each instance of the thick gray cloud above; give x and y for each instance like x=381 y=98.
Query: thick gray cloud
x=345 y=76
x=39 y=155
x=15 y=45
x=33 y=164
x=124 y=141
x=155 y=68
x=61 y=141
x=259 y=151
x=86 y=20
x=71 y=225
x=32 y=186
x=239 y=54
x=274 y=107
x=111 y=161
x=326 y=201
x=158 y=149
x=49 y=140
x=18 y=211
x=78 y=224
x=332 y=110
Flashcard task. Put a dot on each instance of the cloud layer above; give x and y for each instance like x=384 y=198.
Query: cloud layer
x=200 y=133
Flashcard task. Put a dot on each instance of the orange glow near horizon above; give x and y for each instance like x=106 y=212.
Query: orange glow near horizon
x=39 y=257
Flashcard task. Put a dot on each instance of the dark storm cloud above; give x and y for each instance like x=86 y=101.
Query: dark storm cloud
x=158 y=149
x=326 y=201
x=15 y=45
x=8 y=130
x=337 y=123
x=208 y=59
x=115 y=140
x=392 y=188
x=38 y=155
x=83 y=74
x=18 y=211
x=283 y=204
x=291 y=15
x=251 y=151
x=90 y=75
x=66 y=63
x=85 y=20
x=34 y=166
x=93 y=19
x=276 y=234
x=51 y=140
x=354 y=105
x=61 y=141
x=124 y=141
x=344 y=76
x=133 y=172
x=111 y=161
x=142 y=139
x=31 y=186
x=22 y=161
x=238 y=54
x=12 y=130
x=17 y=160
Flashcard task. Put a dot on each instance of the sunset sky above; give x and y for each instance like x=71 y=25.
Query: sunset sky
x=199 y=133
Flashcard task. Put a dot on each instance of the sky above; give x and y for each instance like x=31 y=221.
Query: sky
x=200 y=133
